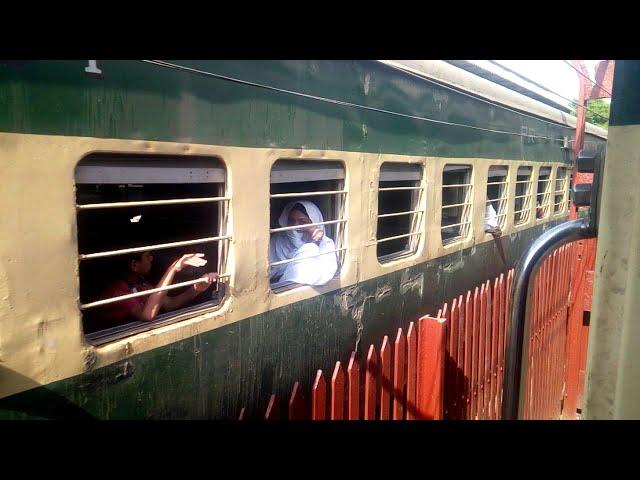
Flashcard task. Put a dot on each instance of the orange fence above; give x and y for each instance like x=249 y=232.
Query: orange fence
x=583 y=258
x=399 y=382
x=451 y=366
x=548 y=307
x=476 y=335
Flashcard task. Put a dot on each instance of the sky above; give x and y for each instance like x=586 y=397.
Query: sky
x=553 y=74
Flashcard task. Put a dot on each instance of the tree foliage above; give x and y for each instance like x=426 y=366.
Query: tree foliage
x=598 y=112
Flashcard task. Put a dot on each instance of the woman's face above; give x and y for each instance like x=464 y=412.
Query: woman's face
x=296 y=217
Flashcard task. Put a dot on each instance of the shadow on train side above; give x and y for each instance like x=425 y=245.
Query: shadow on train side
x=41 y=403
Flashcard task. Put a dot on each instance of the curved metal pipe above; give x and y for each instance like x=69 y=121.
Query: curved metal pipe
x=539 y=250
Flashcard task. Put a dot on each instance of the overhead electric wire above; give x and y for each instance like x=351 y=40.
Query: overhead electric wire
x=548 y=90
x=588 y=78
x=365 y=107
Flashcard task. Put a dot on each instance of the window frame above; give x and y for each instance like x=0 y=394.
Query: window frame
x=563 y=191
x=340 y=239
x=466 y=217
x=525 y=209
x=546 y=194
x=503 y=200
x=106 y=161
x=417 y=213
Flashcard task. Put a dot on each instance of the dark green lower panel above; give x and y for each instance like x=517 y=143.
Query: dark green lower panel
x=214 y=374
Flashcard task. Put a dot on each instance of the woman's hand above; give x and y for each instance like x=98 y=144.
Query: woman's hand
x=210 y=277
x=314 y=234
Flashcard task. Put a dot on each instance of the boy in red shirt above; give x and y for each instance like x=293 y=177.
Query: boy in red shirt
x=146 y=308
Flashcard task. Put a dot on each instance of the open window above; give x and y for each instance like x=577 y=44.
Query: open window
x=497 y=194
x=522 y=211
x=151 y=209
x=560 y=191
x=543 y=197
x=457 y=196
x=399 y=214
x=321 y=183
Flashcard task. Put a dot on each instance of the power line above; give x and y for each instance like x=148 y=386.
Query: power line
x=592 y=81
x=338 y=102
x=548 y=90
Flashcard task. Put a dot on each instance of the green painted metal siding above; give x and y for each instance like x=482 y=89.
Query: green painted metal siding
x=136 y=100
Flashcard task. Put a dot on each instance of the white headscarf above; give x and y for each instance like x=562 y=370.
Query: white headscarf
x=289 y=244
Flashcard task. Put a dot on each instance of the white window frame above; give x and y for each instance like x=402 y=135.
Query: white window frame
x=562 y=191
x=312 y=170
x=504 y=194
x=525 y=210
x=149 y=169
x=546 y=194
x=417 y=210
x=466 y=216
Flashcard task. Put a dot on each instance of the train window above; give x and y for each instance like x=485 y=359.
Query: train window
x=560 y=191
x=522 y=209
x=137 y=215
x=543 y=197
x=399 y=215
x=307 y=213
x=457 y=195
x=497 y=193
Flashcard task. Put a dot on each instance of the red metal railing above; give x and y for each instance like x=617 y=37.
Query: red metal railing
x=452 y=365
x=549 y=302
x=476 y=334
x=583 y=259
x=404 y=385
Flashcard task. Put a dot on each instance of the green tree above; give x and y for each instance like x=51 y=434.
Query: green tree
x=598 y=112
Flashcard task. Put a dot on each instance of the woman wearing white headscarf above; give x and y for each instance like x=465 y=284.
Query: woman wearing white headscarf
x=302 y=242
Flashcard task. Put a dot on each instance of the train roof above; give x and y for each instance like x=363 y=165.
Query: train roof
x=446 y=73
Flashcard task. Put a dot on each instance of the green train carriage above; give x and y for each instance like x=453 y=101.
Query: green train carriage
x=400 y=157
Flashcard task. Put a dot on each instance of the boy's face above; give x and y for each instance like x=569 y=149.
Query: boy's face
x=142 y=266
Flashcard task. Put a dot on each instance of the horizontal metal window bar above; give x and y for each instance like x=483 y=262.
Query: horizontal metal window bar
x=524 y=181
x=158 y=246
x=296 y=227
x=107 y=301
x=520 y=211
x=456 y=205
x=306 y=257
x=397 y=214
x=498 y=198
x=177 y=201
x=307 y=194
x=387 y=239
x=523 y=196
x=393 y=189
x=498 y=183
x=452 y=185
x=454 y=225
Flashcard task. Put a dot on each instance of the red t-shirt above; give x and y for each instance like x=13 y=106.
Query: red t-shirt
x=120 y=312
